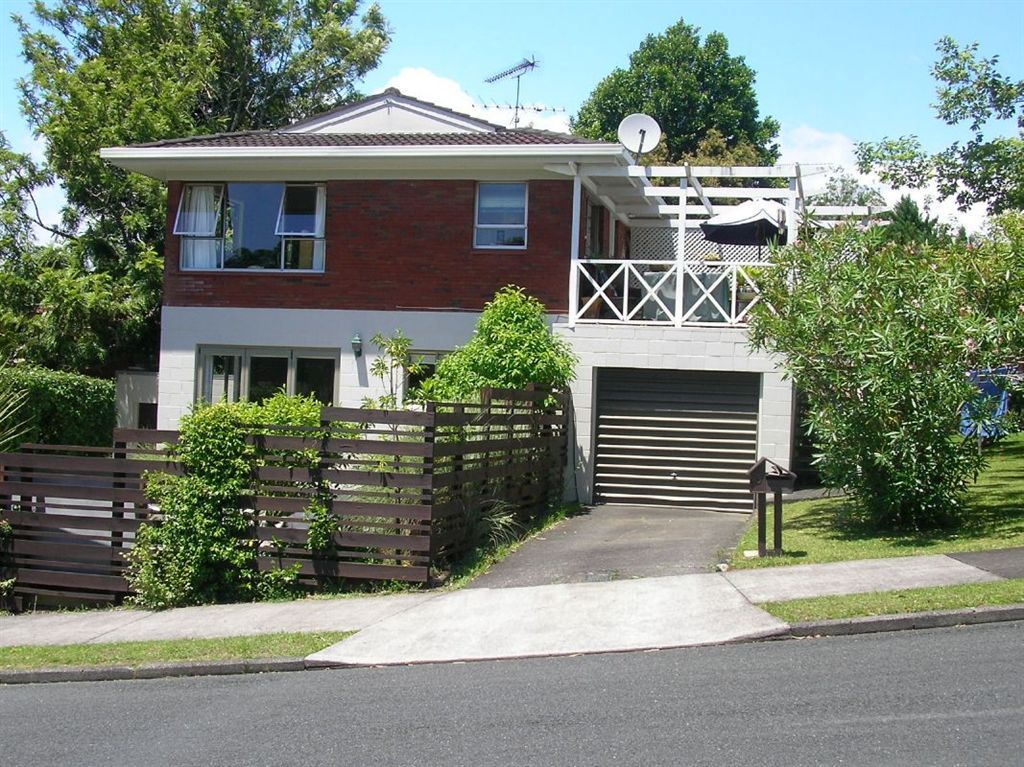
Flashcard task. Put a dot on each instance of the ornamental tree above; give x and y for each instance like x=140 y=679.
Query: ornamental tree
x=880 y=336
x=511 y=348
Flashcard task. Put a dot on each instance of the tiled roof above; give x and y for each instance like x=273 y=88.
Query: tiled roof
x=263 y=139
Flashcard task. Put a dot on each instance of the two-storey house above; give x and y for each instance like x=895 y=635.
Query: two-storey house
x=287 y=250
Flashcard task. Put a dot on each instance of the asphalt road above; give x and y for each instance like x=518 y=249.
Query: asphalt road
x=940 y=697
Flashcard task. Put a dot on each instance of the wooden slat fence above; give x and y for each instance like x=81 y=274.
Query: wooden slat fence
x=74 y=512
x=396 y=493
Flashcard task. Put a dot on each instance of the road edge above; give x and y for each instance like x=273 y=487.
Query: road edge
x=873 y=624
x=840 y=627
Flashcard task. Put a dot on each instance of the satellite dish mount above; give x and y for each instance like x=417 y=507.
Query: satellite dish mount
x=639 y=133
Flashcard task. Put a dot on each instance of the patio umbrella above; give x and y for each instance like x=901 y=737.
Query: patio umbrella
x=754 y=222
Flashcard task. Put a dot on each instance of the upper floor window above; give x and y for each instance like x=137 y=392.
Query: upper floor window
x=500 y=216
x=252 y=226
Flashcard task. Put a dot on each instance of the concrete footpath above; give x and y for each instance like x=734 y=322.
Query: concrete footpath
x=562 y=619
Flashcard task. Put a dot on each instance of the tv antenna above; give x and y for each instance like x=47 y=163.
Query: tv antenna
x=639 y=133
x=517 y=71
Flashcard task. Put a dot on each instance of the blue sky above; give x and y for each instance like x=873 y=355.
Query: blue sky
x=831 y=72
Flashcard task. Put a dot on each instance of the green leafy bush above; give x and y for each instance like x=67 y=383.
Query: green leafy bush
x=880 y=336
x=204 y=549
x=512 y=348
x=62 y=408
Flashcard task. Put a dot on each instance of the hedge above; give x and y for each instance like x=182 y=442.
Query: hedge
x=64 y=408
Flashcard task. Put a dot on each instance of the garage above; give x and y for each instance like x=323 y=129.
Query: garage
x=675 y=437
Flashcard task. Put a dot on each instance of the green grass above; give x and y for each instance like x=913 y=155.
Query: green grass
x=166 y=651
x=824 y=530
x=907 y=601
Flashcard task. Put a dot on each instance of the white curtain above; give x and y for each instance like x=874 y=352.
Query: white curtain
x=321 y=210
x=198 y=218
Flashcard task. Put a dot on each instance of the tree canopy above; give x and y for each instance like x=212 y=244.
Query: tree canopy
x=982 y=170
x=702 y=97
x=115 y=72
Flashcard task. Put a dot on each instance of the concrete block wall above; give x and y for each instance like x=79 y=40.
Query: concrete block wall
x=185 y=329
x=613 y=345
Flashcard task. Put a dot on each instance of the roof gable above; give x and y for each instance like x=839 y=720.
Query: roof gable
x=391 y=112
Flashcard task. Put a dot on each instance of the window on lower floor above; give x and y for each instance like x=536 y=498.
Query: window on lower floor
x=231 y=373
x=271 y=226
x=426 y=365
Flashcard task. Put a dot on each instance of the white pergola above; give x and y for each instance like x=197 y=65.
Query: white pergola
x=678 y=197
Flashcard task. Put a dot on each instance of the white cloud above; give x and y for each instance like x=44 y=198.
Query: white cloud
x=805 y=144
x=423 y=84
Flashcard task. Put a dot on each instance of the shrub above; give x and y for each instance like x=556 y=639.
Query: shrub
x=205 y=549
x=512 y=348
x=63 y=408
x=880 y=337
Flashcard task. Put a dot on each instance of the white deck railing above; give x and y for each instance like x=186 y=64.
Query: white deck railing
x=664 y=292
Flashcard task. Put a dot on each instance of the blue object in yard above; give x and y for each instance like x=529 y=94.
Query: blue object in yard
x=988 y=425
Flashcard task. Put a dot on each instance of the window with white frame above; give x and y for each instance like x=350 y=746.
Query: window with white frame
x=252 y=226
x=231 y=373
x=501 y=210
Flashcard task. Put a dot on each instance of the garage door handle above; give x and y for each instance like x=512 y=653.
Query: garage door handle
x=674 y=475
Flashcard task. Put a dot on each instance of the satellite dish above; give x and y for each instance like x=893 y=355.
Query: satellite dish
x=639 y=133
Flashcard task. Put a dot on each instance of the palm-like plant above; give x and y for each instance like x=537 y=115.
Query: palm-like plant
x=12 y=426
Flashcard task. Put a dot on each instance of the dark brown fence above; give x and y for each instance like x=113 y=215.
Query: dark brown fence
x=403 y=492
x=73 y=513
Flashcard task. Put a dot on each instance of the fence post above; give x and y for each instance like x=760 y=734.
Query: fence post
x=117 y=510
x=429 y=437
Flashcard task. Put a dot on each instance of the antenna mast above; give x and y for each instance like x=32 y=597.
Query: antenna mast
x=520 y=69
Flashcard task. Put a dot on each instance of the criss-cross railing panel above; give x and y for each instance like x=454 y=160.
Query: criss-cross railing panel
x=658 y=292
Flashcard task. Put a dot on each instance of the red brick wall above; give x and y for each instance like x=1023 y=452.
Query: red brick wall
x=397 y=245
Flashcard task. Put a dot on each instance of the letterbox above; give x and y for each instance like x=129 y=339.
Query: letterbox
x=766 y=476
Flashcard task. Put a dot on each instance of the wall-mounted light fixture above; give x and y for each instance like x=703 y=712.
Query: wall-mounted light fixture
x=357 y=346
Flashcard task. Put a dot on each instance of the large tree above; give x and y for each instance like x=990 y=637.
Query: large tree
x=702 y=97
x=115 y=72
x=983 y=169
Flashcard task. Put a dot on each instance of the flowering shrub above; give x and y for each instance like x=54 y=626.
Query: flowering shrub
x=881 y=338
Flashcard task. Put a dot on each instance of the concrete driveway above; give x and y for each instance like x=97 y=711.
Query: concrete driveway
x=613 y=542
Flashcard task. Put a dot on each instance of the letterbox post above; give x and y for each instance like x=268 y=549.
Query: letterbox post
x=762 y=524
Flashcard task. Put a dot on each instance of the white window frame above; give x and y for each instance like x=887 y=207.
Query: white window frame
x=204 y=366
x=318 y=238
x=477 y=226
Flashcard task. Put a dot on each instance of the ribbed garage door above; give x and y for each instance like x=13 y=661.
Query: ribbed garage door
x=682 y=438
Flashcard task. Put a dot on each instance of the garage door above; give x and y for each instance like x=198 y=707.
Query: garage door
x=683 y=438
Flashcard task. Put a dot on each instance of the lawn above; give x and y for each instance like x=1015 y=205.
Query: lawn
x=822 y=530
x=296 y=645
x=1008 y=592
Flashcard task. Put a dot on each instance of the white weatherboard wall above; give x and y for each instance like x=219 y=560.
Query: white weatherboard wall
x=688 y=348
x=185 y=329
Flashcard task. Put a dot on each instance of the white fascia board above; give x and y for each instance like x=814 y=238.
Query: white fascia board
x=169 y=162
x=256 y=153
